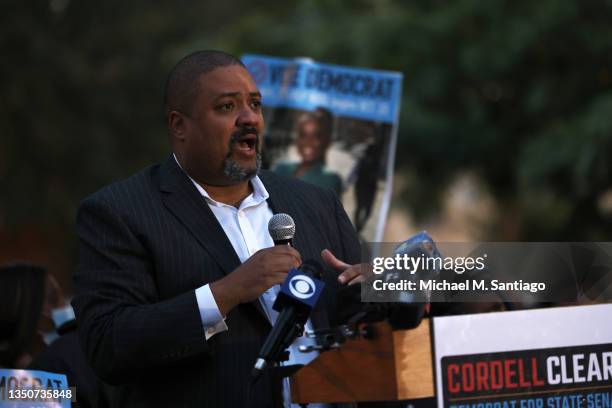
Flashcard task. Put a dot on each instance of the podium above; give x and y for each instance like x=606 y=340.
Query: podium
x=389 y=366
x=398 y=365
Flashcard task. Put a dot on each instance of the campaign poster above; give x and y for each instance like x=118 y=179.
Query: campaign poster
x=34 y=388
x=333 y=126
x=544 y=358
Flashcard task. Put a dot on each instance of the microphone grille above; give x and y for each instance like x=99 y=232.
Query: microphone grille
x=281 y=227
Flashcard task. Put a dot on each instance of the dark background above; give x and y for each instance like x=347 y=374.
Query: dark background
x=517 y=94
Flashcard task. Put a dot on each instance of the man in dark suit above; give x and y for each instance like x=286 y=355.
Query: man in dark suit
x=176 y=267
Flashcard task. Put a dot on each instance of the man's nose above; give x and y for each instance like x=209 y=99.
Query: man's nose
x=249 y=117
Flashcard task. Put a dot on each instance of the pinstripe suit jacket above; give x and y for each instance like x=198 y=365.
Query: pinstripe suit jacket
x=145 y=244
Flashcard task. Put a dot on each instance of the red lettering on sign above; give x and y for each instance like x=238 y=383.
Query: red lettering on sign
x=482 y=376
x=497 y=379
x=534 y=373
x=452 y=371
x=510 y=373
x=467 y=377
x=523 y=383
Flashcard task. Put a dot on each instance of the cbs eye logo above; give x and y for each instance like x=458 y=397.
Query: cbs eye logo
x=302 y=287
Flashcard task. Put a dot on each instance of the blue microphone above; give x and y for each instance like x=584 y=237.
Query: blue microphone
x=298 y=295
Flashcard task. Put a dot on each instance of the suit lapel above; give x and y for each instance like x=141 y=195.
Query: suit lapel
x=184 y=201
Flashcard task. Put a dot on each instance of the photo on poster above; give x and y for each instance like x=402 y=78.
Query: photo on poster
x=335 y=127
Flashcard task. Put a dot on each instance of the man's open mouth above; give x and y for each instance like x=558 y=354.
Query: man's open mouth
x=247 y=142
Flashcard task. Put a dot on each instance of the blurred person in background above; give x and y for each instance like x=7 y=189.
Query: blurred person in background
x=63 y=353
x=314 y=131
x=367 y=171
x=37 y=328
x=22 y=294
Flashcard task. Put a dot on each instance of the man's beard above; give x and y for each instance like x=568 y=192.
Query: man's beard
x=232 y=170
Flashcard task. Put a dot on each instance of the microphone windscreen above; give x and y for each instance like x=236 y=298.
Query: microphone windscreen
x=281 y=227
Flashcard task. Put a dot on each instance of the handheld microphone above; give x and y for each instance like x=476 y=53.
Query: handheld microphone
x=282 y=229
x=297 y=297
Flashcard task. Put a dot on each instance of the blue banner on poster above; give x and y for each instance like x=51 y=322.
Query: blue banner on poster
x=304 y=84
x=32 y=388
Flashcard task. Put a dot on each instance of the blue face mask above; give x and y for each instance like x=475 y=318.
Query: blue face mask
x=59 y=316
x=49 y=337
x=62 y=315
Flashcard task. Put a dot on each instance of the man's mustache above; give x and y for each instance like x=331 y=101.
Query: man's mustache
x=243 y=132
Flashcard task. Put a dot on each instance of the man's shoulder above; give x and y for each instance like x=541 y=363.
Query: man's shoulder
x=137 y=185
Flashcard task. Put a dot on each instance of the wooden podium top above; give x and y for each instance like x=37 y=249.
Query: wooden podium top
x=393 y=365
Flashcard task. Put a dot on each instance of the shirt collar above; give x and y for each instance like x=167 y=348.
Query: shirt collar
x=259 y=194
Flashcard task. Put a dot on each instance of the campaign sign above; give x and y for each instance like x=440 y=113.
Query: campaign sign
x=304 y=84
x=332 y=126
x=32 y=388
x=574 y=377
x=559 y=357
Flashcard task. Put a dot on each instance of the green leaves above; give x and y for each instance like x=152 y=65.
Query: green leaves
x=516 y=92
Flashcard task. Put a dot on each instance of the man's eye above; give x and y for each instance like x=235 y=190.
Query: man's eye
x=226 y=106
x=256 y=104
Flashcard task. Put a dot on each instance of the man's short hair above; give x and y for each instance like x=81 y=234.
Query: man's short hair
x=182 y=84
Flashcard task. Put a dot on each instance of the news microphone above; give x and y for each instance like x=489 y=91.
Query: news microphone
x=282 y=229
x=298 y=295
x=407 y=312
x=402 y=309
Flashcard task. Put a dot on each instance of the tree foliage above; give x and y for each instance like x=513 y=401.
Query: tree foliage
x=517 y=92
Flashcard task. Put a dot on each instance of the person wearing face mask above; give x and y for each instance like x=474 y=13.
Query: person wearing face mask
x=313 y=139
x=37 y=328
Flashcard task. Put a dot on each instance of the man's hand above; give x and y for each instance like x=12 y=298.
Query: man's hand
x=266 y=268
x=348 y=274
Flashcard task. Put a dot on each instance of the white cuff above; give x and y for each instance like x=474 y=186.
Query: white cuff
x=211 y=317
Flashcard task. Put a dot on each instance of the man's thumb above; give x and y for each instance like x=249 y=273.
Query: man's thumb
x=332 y=261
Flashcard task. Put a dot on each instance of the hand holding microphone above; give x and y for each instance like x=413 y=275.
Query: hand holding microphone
x=266 y=268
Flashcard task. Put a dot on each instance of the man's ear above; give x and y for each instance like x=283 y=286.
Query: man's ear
x=177 y=125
